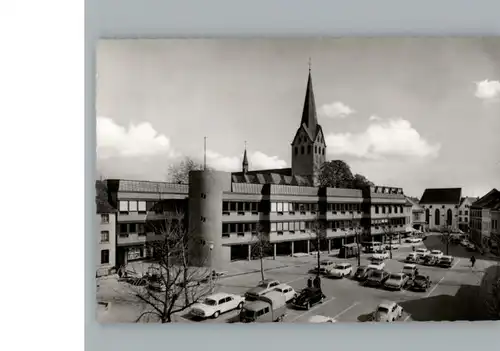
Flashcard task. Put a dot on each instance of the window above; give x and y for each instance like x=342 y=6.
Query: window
x=123 y=228
x=285 y=226
x=280 y=206
x=141 y=228
x=383 y=209
x=466 y=213
x=302 y=149
x=233 y=206
x=273 y=206
x=273 y=227
x=323 y=152
x=225 y=206
x=460 y=213
x=449 y=217
x=123 y=206
x=132 y=206
x=232 y=227
x=466 y=219
x=132 y=228
x=302 y=225
x=104 y=256
x=254 y=206
x=315 y=149
x=437 y=216
x=291 y=226
x=290 y=207
x=279 y=227
x=142 y=206
x=308 y=149
x=104 y=236
x=104 y=218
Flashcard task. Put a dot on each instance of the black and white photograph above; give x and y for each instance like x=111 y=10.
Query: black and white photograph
x=308 y=180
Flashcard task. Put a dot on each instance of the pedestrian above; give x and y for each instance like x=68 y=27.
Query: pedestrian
x=472 y=260
x=317 y=282
x=309 y=282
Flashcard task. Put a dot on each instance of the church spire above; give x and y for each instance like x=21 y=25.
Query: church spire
x=245 y=160
x=309 y=117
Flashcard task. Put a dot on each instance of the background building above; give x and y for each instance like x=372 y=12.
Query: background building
x=464 y=213
x=106 y=229
x=481 y=218
x=441 y=207
x=417 y=214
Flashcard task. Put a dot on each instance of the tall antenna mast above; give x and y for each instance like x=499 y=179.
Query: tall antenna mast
x=205 y=153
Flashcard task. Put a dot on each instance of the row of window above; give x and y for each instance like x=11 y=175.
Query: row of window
x=291 y=207
x=388 y=209
x=475 y=213
x=336 y=207
x=463 y=219
x=437 y=216
x=476 y=224
x=281 y=207
x=142 y=207
x=318 y=150
x=466 y=213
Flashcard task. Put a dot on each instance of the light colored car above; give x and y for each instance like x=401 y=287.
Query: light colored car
x=217 y=304
x=446 y=261
x=325 y=266
x=263 y=287
x=414 y=240
x=388 y=311
x=381 y=255
x=421 y=253
x=410 y=270
x=437 y=253
x=377 y=264
x=396 y=281
x=321 y=319
x=392 y=246
x=412 y=257
x=286 y=290
x=341 y=270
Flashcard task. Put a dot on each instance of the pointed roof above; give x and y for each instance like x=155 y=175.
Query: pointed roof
x=245 y=159
x=309 y=117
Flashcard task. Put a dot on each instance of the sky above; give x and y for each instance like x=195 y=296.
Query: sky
x=414 y=113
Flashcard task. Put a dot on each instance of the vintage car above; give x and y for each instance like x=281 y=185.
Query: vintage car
x=321 y=319
x=392 y=246
x=396 y=281
x=286 y=290
x=431 y=260
x=341 y=270
x=376 y=278
x=410 y=270
x=420 y=283
x=376 y=264
x=383 y=255
x=216 y=304
x=437 y=253
x=263 y=287
x=308 y=298
x=412 y=257
x=362 y=273
x=445 y=261
x=422 y=253
x=324 y=267
x=414 y=240
x=388 y=311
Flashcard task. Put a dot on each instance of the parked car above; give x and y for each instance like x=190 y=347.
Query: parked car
x=392 y=246
x=431 y=260
x=446 y=261
x=471 y=247
x=414 y=240
x=341 y=270
x=412 y=257
x=396 y=281
x=269 y=307
x=421 y=253
x=383 y=255
x=321 y=319
x=464 y=242
x=348 y=250
x=420 y=283
x=362 y=273
x=410 y=270
x=308 y=298
x=324 y=267
x=437 y=253
x=286 y=290
x=388 y=311
x=263 y=287
x=376 y=278
x=377 y=264
x=217 y=304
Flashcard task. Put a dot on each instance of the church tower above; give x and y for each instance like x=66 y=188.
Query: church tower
x=308 y=146
x=244 y=164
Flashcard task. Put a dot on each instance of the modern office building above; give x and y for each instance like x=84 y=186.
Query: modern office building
x=441 y=207
x=227 y=213
x=481 y=218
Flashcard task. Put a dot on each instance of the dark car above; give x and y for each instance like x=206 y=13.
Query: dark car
x=307 y=298
x=377 y=278
x=431 y=260
x=420 y=283
x=362 y=273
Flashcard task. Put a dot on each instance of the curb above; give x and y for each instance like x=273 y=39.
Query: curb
x=258 y=270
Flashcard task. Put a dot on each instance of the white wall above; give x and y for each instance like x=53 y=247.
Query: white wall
x=110 y=245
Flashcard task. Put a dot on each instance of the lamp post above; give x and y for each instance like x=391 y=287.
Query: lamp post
x=210 y=247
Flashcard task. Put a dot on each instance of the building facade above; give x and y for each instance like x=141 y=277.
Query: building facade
x=495 y=229
x=417 y=215
x=481 y=217
x=106 y=229
x=441 y=207
x=464 y=213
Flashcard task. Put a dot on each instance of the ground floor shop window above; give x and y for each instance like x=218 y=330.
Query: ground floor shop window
x=104 y=256
x=135 y=253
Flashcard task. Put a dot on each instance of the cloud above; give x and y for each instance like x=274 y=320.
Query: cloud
x=257 y=160
x=488 y=90
x=136 y=140
x=375 y=118
x=336 y=109
x=392 y=138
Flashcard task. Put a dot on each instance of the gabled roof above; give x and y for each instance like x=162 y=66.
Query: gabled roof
x=490 y=200
x=245 y=159
x=309 y=117
x=449 y=196
x=467 y=198
x=101 y=198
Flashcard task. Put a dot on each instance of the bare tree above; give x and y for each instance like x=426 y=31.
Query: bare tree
x=388 y=232
x=318 y=234
x=446 y=236
x=179 y=172
x=260 y=246
x=171 y=285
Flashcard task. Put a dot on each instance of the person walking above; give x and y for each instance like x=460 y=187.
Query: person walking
x=317 y=282
x=309 y=282
x=472 y=261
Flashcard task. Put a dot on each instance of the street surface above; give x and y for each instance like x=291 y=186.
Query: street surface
x=453 y=295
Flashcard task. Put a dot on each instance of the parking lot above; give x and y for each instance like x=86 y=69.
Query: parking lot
x=450 y=297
